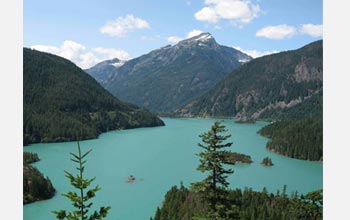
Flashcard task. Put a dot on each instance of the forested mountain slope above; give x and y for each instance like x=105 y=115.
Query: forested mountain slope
x=264 y=86
x=63 y=103
x=168 y=78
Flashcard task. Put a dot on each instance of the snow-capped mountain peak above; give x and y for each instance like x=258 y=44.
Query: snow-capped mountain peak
x=203 y=37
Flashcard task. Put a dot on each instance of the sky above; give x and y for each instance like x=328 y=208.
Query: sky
x=90 y=31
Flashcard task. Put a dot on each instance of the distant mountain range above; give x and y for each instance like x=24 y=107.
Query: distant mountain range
x=168 y=78
x=284 y=85
x=105 y=70
x=63 y=103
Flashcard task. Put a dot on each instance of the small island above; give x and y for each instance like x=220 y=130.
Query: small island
x=236 y=158
x=131 y=179
x=267 y=162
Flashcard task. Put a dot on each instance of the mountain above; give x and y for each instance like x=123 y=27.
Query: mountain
x=265 y=87
x=104 y=71
x=63 y=103
x=167 y=78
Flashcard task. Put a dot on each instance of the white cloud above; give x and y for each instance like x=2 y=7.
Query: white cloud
x=71 y=50
x=86 y=60
x=193 y=33
x=255 y=53
x=277 y=32
x=176 y=39
x=79 y=55
x=121 y=26
x=312 y=30
x=207 y=14
x=236 y=11
x=110 y=53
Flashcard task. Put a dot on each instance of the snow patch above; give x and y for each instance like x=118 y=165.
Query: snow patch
x=243 y=60
x=118 y=64
x=204 y=37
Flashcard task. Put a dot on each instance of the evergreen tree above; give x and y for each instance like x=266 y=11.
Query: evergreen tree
x=80 y=201
x=267 y=161
x=212 y=160
x=309 y=206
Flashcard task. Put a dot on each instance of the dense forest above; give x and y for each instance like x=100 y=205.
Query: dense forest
x=35 y=186
x=298 y=131
x=273 y=82
x=302 y=139
x=63 y=103
x=181 y=203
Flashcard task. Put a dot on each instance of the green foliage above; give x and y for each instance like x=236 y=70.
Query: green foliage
x=244 y=205
x=302 y=139
x=29 y=157
x=35 y=186
x=60 y=99
x=260 y=83
x=309 y=206
x=234 y=158
x=80 y=201
x=211 y=160
x=267 y=161
x=180 y=203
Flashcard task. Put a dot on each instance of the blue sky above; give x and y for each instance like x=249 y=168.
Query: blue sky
x=90 y=31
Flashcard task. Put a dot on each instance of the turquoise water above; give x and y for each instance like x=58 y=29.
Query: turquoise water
x=159 y=158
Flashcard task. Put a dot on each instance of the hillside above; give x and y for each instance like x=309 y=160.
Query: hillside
x=181 y=203
x=168 y=78
x=35 y=186
x=264 y=87
x=300 y=139
x=310 y=108
x=63 y=103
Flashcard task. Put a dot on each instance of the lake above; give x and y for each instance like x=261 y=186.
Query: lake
x=159 y=158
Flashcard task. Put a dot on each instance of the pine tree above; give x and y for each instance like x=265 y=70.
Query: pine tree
x=80 y=201
x=213 y=187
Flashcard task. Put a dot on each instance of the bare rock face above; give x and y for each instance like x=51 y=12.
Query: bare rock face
x=305 y=72
x=280 y=105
